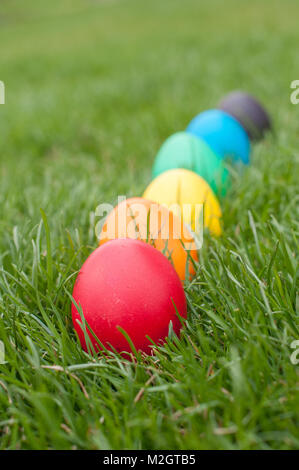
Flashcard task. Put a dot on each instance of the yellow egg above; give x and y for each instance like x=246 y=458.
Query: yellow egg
x=189 y=196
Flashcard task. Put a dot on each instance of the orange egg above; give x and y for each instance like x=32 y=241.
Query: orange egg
x=153 y=223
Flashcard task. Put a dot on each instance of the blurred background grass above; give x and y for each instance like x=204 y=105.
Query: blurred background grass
x=101 y=84
x=92 y=90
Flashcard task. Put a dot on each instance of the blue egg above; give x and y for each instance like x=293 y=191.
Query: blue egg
x=222 y=133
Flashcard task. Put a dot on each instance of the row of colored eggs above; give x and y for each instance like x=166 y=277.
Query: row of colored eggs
x=210 y=139
x=190 y=169
x=127 y=285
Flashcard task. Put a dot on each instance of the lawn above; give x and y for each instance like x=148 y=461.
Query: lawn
x=93 y=88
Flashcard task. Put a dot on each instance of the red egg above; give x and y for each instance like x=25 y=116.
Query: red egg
x=129 y=284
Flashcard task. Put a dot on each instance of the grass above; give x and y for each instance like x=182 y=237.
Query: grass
x=93 y=88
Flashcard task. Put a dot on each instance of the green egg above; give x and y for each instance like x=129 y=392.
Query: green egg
x=184 y=150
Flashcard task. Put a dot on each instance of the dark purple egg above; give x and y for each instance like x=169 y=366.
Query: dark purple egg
x=248 y=111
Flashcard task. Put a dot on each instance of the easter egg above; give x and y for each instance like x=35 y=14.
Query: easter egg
x=139 y=218
x=223 y=133
x=248 y=111
x=127 y=285
x=188 y=196
x=184 y=150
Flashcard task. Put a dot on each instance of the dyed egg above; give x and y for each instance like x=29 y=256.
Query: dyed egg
x=184 y=150
x=128 y=285
x=153 y=223
x=223 y=133
x=189 y=196
x=248 y=111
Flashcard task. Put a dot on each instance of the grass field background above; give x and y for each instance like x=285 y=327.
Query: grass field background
x=93 y=88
